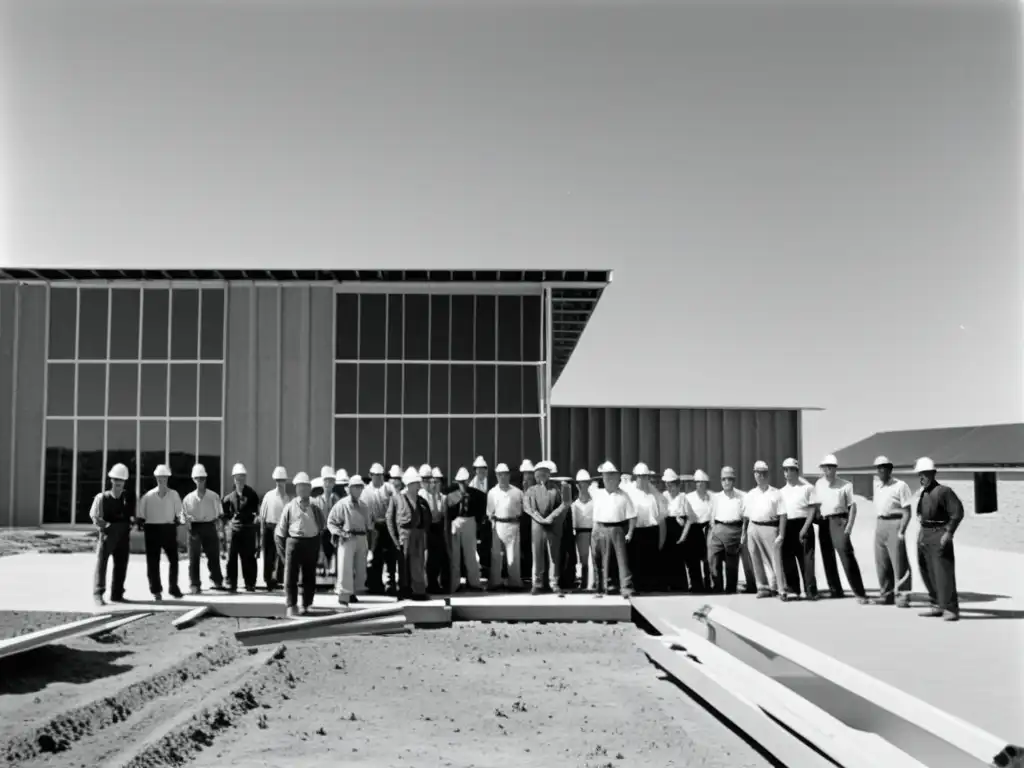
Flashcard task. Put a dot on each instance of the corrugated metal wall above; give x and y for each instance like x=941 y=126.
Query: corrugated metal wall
x=684 y=439
x=279 y=399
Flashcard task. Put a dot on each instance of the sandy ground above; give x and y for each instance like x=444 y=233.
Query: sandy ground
x=473 y=695
x=34 y=540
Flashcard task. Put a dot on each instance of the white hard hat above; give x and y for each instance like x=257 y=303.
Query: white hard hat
x=641 y=469
x=238 y=469
x=760 y=466
x=700 y=476
x=436 y=473
x=326 y=473
x=376 y=469
x=411 y=475
x=790 y=464
x=301 y=479
x=685 y=478
x=924 y=464
x=829 y=461
x=669 y=476
x=355 y=480
x=118 y=472
x=607 y=467
x=395 y=473
x=728 y=472
x=280 y=473
x=546 y=464
x=526 y=466
x=479 y=463
x=462 y=475
x=881 y=461
x=198 y=471
x=318 y=482
x=162 y=471
x=583 y=476
x=503 y=467
x=425 y=470
x=342 y=477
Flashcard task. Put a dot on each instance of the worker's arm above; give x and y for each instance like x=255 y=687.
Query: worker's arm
x=811 y=500
x=336 y=520
x=688 y=517
x=140 y=511
x=906 y=501
x=780 y=510
x=281 y=532
x=392 y=518
x=96 y=512
x=955 y=510
x=491 y=504
x=851 y=507
x=531 y=509
x=630 y=516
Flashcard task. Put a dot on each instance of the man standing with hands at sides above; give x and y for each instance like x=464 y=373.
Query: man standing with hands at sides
x=202 y=512
x=439 y=566
x=377 y=495
x=241 y=510
x=325 y=501
x=526 y=523
x=113 y=513
x=466 y=506
x=301 y=528
x=798 y=560
x=764 y=528
x=546 y=503
x=940 y=513
x=504 y=509
x=408 y=523
x=271 y=507
x=649 y=536
x=892 y=500
x=614 y=524
x=483 y=547
x=695 y=535
x=158 y=516
x=583 y=529
x=726 y=535
x=349 y=521
x=674 y=553
x=837 y=514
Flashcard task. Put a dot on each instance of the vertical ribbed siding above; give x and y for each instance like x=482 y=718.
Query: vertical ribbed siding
x=7 y=404
x=684 y=439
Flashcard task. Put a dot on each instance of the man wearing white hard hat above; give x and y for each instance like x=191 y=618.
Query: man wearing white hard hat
x=466 y=508
x=649 y=535
x=349 y=522
x=271 y=508
x=113 y=513
x=674 y=553
x=891 y=499
x=241 y=517
x=614 y=524
x=159 y=515
x=940 y=512
x=764 y=515
x=836 y=515
x=408 y=523
x=583 y=530
x=301 y=527
x=726 y=541
x=546 y=503
x=696 y=526
x=383 y=554
x=484 y=531
x=526 y=469
x=202 y=513
x=504 y=511
x=797 y=555
x=439 y=566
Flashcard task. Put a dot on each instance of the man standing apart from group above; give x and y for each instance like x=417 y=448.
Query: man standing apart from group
x=159 y=515
x=940 y=513
x=798 y=556
x=837 y=514
x=241 y=509
x=271 y=509
x=892 y=500
x=202 y=512
x=112 y=513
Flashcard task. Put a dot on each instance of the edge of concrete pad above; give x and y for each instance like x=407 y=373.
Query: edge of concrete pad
x=541 y=608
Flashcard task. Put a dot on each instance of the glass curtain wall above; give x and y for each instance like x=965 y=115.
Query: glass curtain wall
x=438 y=378
x=135 y=374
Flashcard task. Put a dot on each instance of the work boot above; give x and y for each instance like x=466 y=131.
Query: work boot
x=118 y=599
x=903 y=601
x=219 y=588
x=343 y=601
x=353 y=599
x=157 y=596
x=932 y=613
x=175 y=593
x=250 y=589
x=883 y=601
x=950 y=616
x=195 y=591
x=763 y=593
x=863 y=599
x=838 y=594
x=99 y=601
x=536 y=591
x=291 y=612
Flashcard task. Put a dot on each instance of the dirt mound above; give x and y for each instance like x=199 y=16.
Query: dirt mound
x=20 y=542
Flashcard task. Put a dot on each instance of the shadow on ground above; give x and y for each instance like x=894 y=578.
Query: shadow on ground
x=35 y=670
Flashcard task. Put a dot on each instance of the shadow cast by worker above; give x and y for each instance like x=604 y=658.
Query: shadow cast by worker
x=977 y=614
x=33 y=671
x=964 y=597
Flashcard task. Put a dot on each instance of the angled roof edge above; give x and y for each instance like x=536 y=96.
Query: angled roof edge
x=680 y=407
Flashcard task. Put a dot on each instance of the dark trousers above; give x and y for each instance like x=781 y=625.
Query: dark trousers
x=695 y=549
x=938 y=569
x=567 y=567
x=526 y=546
x=609 y=542
x=833 y=541
x=385 y=556
x=749 y=579
x=203 y=540
x=439 y=566
x=483 y=549
x=412 y=569
x=273 y=558
x=798 y=560
x=112 y=544
x=891 y=560
x=644 y=556
x=242 y=546
x=300 y=560
x=673 y=557
x=161 y=538
x=724 y=555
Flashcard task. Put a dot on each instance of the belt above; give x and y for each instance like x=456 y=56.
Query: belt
x=619 y=524
x=730 y=523
x=892 y=517
x=465 y=514
x=839 y=515
x=356 y=533
x=772 y=523
x=934 y=523
x=270 y=523
x=584 y=530
x=202 y=522
x=506 y=519
x=647 y=527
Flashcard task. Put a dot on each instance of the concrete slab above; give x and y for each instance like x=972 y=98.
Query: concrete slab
x=521 y=607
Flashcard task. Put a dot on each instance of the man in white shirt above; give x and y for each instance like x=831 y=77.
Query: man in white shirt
x=348 y=522
x=675 y=524
x=764 y=515
x=466 y=507
x=798 y=548
x=836 y=515
x=271 y=508
x=505 y=510
x=202 y=512
x=725 y=537
x=383 y=554
x=892 y=501
x=583 y=529
x=697 y=504
x=649 y=535
x=484 y=534
x=614 y=525
x=159 y=515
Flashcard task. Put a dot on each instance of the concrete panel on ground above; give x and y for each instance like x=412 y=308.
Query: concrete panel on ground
x=519 y=607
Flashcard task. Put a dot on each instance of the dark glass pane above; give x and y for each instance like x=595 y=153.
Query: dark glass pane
x=155 y=306
x=346 y=326
x=209 y=455
x=438 y=446
x=461 y=443
x=371 y=443
x=510 y=328
x=60 y=390
x=183 y=390
x=154 y=389
x=346 y=388
x=485 y=327
x=63 y=324
x=510 y=389
x=485 y=384
x=396 y=330
x=394 y=389
x=417 y=381
x=393 y=443
x=462 y=384
x=415 y=450
x=440 y=327
x=532 y=440
x=373 y=316
x=122 y=397
x=463 y=322
x=124 y=323
x=439 y=388
x=211 y=341
x=181 y=443
x=417 y=326
x=531 y=389
x=483 y=441
x=92 y=324
x=531 y=328
x=152 y=452
x=346 y=448
x=371 y=389
x=91 y=472
x=121 y=444
x=92 y=388
x=211 y=382
x=60 y=457
x=510 y=444
x=184 y=324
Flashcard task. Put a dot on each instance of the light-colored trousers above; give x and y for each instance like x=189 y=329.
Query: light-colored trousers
x=764 y=554
x=464 y=550
x=583 y=554
x=352 y=566
x=505 y=550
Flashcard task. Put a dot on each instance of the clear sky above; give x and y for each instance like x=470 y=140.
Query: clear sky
x=804 y=203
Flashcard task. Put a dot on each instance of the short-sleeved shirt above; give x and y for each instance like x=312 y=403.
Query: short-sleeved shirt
x=349 y=516
x=798 y=500
x=300 y=521
x=504 y=504
x=763 y=506
x=583 y=514
x=376 y=499
x=836 y=498
x=891 y=498
x=201 y=510
x=613 y=506
x=698 y=509
x=675 y=506
x=728 y=507
x=157 y=510
x=272 y=506
x=648 y=507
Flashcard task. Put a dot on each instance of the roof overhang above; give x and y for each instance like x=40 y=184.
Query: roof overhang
x=691 y=407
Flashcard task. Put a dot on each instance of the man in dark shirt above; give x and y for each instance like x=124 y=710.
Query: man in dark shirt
x=113 y=513
x=241 y=521
x=408 y=519
x=465 y=508
x=939 y=511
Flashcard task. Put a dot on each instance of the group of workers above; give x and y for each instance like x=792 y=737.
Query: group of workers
x=409 y=533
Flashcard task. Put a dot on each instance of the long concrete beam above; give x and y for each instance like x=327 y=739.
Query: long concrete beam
x=293 y=631
x=92 y=625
